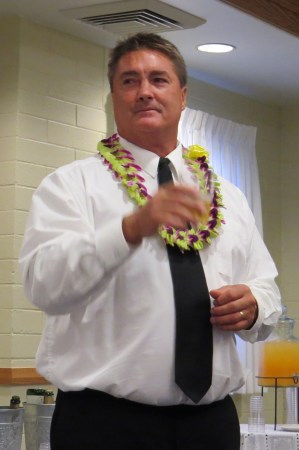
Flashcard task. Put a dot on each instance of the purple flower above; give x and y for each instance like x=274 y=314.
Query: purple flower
x=111 y=141
x=169 y=230
x=125 y=157
x=204 y=166
x=193 y=238
x=214 y=201
x=212 y=224
x=135 y=166
x=204 y=234
x=143 y=192
x=136 y=175
x=214 y=212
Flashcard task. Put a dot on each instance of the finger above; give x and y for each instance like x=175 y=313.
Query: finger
x=232 y=293
x=231 y=322
x=240 y=320
x=179 y=210
x=227 y=319
x=234 y=308
x=185 y=195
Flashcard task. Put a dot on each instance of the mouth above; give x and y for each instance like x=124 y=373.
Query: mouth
x=146 y=110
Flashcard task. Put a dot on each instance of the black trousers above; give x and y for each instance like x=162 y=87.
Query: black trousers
x=92 y=420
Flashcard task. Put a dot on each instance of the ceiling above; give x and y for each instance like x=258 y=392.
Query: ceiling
x=264 y=66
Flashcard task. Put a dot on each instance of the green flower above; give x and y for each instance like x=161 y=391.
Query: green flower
x=196 y=151
x=121 y=162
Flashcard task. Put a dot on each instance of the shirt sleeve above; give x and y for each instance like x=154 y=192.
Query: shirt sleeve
x=63 y=258
x=260 y=277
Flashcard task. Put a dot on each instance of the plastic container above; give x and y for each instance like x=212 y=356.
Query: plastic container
x=37 y=421
x=279 y=356
x=15 y=402
x=256 y=420
x=11 y=428
x=35 y=396
x=49 y=398
x=292 y=405
x=44 y=446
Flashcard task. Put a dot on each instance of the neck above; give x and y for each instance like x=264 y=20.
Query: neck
x=161 y=146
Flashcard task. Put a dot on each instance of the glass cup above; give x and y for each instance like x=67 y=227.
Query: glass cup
x=256 y=419
x=207 y=195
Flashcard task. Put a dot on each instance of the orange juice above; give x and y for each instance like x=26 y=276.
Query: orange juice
x=204 y=217
x=278 y=359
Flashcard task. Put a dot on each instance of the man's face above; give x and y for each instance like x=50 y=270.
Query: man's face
x=147 y=96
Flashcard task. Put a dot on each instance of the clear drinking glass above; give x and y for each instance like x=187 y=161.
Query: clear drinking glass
x=207 y=192
x=256 y=420
x=44 y=446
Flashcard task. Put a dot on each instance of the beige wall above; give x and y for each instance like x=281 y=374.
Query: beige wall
x=289 y=153
x=54 y=109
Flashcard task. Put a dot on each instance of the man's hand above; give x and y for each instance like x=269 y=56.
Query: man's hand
x=174 y=205
x=235 y=308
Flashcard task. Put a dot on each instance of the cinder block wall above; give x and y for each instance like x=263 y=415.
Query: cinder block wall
x=8 y=117
x=53 y=109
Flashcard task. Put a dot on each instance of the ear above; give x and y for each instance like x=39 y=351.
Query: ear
x=184 y=97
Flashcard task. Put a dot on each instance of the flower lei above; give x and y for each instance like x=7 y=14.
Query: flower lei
x=121 y=162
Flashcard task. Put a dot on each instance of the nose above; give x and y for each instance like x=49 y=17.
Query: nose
x=145 y=91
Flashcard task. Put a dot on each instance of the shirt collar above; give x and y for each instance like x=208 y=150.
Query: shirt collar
x=149 y=160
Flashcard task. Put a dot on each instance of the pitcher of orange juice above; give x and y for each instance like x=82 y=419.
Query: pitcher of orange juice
x=279 y=355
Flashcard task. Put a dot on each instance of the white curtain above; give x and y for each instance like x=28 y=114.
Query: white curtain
x=232 y=154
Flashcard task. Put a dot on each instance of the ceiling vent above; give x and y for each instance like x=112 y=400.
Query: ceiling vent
x=133 y=16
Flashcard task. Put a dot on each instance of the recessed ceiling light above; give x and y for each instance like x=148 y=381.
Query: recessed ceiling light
x=215 y=48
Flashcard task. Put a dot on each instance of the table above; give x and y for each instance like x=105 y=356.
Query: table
x=270 y=440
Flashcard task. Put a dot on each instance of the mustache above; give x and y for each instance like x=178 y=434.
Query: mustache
x=149 y=106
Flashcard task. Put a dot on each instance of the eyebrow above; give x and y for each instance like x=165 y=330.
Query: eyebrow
x=128 y=73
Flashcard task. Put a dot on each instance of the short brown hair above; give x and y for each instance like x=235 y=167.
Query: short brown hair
x=149 y=41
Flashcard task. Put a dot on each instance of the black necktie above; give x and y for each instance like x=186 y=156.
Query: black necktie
x=194 y=337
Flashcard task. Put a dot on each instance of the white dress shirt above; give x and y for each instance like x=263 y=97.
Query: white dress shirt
x=110 y=308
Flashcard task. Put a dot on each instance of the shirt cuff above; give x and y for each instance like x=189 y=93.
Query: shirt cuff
x=111 y=247
x=252 y=333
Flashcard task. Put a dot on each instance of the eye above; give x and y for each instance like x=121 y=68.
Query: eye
x=160 y=80
x=129 y=81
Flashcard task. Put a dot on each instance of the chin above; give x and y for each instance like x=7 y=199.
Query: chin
x=148 y=124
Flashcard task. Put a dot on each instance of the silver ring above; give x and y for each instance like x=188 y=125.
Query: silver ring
x=242 y=314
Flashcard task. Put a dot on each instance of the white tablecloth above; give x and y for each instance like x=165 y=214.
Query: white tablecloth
x=270 y=440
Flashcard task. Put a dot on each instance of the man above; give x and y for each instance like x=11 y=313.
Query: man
x=95 y=261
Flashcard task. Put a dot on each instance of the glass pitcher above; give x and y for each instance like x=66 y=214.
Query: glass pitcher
x=279 y=355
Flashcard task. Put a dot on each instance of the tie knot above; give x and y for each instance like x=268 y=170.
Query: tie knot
x=164 y=172
x=164 y=161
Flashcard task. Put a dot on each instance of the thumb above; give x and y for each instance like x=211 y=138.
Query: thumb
x=215 y=293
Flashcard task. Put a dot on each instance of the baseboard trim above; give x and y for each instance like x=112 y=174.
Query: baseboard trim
x=21 y=376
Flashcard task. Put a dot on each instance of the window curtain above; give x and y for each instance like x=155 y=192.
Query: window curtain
x=232 y=155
